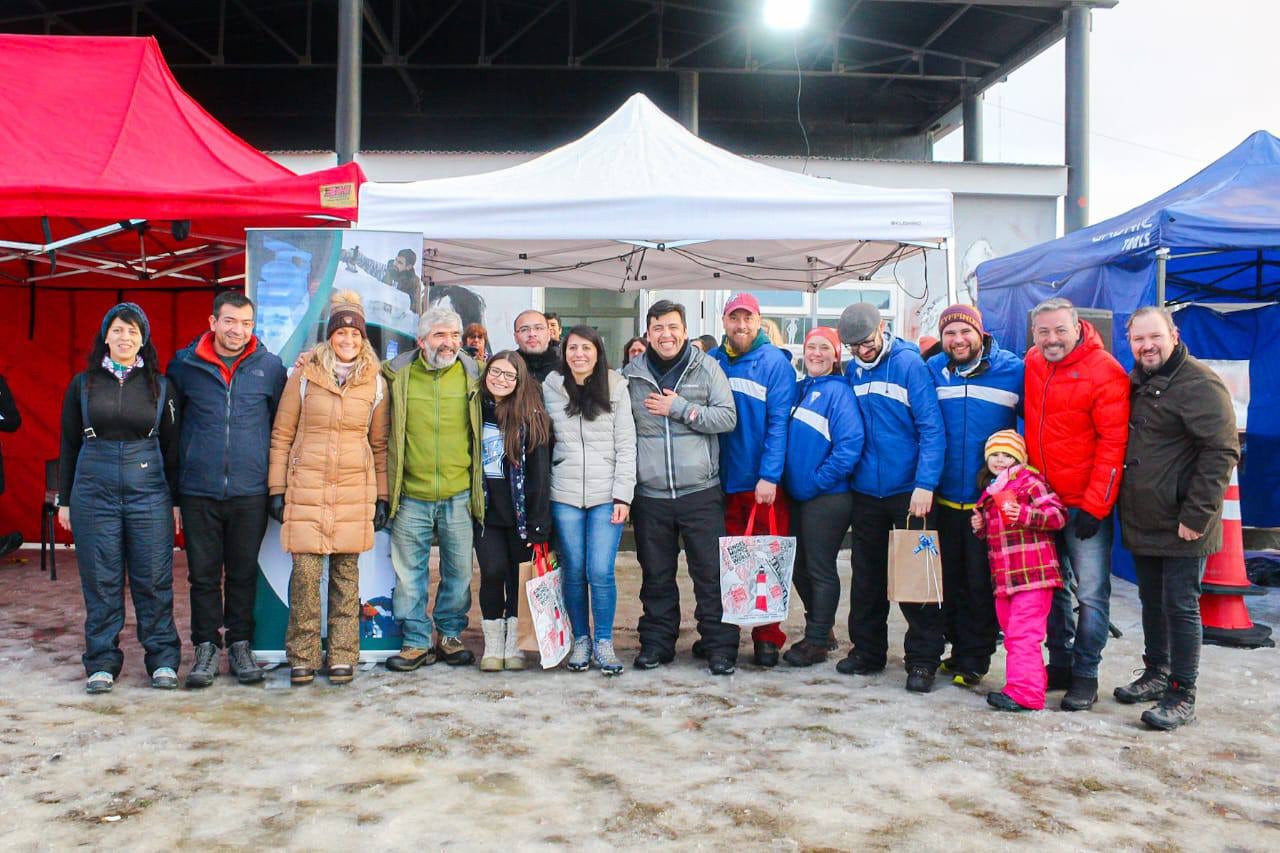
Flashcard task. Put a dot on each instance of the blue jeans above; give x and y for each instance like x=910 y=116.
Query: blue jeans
x=1076 y=641
x=587 y=546
x=414 y=527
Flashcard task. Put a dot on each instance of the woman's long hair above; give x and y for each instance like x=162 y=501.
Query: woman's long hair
x=520 y=413
x=591 y=398
x=150 y=358
x=626 y=350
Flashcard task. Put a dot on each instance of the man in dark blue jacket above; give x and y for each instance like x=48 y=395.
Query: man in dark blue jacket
x=228 y=385
x=897 y=474
x=753 y=455
x=979 y=393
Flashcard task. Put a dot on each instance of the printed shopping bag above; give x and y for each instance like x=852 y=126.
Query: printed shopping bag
x=543 y=624
x=755 y=575
x=915 y=566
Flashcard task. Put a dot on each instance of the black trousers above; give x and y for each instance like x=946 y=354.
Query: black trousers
x=661 y=526
x=968 y=600
x=819 y=526
x=1169 y=588
x=223 y=539
x=873 y=518
x=500 y=551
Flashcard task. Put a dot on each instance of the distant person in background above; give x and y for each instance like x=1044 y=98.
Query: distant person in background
x=706 y=343
x=118 y=472
x=475 y=341
x=10 y=420
x=774 y=331
x=553 y=324
x=634 y=348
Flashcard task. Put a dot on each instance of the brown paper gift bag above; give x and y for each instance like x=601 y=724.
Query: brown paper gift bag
x=526 y=636
x=915 y=566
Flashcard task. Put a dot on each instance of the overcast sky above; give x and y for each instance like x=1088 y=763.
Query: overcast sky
x=1175 y=85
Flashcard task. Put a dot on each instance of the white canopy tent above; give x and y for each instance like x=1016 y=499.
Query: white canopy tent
x=641 y=203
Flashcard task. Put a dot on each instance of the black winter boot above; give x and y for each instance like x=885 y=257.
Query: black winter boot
x=1059 y=677
x=1177 y=708
x=1081 y=695
x=1150 y=686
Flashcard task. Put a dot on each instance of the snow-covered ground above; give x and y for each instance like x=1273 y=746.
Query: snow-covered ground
x=781 y=759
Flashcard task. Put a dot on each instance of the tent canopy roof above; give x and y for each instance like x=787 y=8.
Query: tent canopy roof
x=641 y=202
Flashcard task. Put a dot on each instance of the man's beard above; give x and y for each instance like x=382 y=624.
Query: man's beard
x=438 y=359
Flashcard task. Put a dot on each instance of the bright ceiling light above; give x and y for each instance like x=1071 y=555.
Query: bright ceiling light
x=786 y=14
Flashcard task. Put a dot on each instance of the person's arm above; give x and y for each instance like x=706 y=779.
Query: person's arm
x=1045 y=511
x=624 y=447
x=1110 y=417
x=379 y=431
x=537 y=493
x=277 y=389
x=779 y=394
x=282 y=434
x=170 y=425
x=844 y=423
x=931 y=437
x=72 y=439
x=10 y=417
x=718 y=415
x=1210 y=420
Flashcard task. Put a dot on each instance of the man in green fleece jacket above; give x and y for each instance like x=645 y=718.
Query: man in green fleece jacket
x=436 y=491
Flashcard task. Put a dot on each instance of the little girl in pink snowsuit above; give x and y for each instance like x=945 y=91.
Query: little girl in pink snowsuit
x=1017 y=514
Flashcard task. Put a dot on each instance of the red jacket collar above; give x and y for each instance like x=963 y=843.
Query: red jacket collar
x=205 y=350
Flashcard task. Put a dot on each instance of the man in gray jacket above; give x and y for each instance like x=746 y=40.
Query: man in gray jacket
x=681 y=400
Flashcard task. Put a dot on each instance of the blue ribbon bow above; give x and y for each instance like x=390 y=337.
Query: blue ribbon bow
x=926 y=545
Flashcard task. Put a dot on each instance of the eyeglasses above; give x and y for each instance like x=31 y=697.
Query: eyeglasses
x=504 y=375
x=524 y=330
x=866 y=344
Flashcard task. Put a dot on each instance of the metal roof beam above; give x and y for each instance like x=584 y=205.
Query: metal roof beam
x=520 y=33
x=617 y=34
x=937 y=34
x=262 y=25
x=920 y=50
x=391 y=55
x=431 y=30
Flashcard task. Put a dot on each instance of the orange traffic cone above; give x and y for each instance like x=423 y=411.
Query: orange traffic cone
x=1222 y=608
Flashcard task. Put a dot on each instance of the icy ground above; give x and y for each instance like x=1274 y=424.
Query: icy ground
x=453 y=758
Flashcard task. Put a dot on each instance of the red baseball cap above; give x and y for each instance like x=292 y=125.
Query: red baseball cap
x=741 y=302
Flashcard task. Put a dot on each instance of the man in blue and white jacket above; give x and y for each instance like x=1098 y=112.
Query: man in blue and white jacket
x=752 y=455
x=897 y=474
x=979 y=392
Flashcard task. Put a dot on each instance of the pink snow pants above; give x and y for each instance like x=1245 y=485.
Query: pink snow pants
x=1023 y=617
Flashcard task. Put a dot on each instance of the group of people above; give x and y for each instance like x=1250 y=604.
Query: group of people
x=545 y=445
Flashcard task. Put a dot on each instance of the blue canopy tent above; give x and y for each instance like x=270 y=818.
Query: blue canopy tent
x=1215 y=238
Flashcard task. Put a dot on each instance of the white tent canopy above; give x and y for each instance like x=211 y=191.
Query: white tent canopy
x=641 y=203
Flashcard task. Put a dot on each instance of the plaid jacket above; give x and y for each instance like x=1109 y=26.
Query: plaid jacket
x=1022 y=553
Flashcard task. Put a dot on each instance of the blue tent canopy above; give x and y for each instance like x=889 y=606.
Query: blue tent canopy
x=1221 y=228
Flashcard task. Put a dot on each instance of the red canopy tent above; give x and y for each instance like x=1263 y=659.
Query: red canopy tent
x=115 y=184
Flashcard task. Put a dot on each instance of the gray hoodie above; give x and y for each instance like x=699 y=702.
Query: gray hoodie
x=680 y=454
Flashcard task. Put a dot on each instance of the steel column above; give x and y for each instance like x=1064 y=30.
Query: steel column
x=1076 y=213
x=347 y=131
x=689 y=100
x=971 y=120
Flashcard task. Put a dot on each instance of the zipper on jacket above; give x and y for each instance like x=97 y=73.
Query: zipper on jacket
x=1110 y=482
x=582 y=439
x=1044 y=405
x=226 y=450
x=671 y=470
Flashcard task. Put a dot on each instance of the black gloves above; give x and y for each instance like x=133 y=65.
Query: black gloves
x=275 y=507
x=1087 y=526
x=381 y=511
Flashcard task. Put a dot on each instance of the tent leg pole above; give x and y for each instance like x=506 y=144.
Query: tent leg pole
x=1162 y=261
x=350 y=28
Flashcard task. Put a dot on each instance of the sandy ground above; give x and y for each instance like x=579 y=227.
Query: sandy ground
x=453 y=758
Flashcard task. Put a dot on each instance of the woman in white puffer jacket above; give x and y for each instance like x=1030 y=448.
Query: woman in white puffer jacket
x=593 y=477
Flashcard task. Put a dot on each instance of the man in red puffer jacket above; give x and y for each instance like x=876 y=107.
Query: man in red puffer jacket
x=1077 y=424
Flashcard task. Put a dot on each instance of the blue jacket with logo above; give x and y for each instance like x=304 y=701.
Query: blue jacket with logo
x=905 y=442
x=824 y=439
x=973 y=407
x=763 y=384
x=226 y=422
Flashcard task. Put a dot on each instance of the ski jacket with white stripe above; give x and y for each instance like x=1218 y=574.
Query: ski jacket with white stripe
x=824 y=439
x=974 y=406
x=905 y=442
x=763 y=384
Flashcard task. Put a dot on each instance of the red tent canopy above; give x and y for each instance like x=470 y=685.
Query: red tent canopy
x=115 y=184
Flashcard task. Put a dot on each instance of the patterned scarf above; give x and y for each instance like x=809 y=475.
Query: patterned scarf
x=120 y=371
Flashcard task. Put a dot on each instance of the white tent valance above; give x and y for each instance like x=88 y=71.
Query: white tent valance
x=639 y=202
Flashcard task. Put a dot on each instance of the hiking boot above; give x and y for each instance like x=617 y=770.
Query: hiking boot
x=452 y=652
x=164 y=678
x=920 y=679
x=301 y=675
x=1149 y=686
x=721 y=665
x=99 y=682
x=651 y=658
x=966 y=678
x=205 y=667
x=765 y=654
x=1176 y=708
x=1002 y=702
x=1059 y=677
x=853 y=664
x=341 y=674
x=410 y=659
x=512 y=657
x=495 y=638
x=1081 y=695
x=241 y=664
x=605 y=658
x=580 y=657
x=806 y=653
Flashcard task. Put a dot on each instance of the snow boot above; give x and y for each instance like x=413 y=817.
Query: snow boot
x=1081 y=695
x=1003 y=702
x=1177 y=708
x=1059 y=677
x=1150 y=686
x=806 y=653
x=512 y=657
x=920 y=679
x=495 y=637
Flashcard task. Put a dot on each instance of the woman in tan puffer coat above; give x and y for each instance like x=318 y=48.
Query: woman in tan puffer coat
x=328 y=486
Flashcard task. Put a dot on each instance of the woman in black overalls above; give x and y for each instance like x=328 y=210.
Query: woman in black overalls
x=118 y=472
